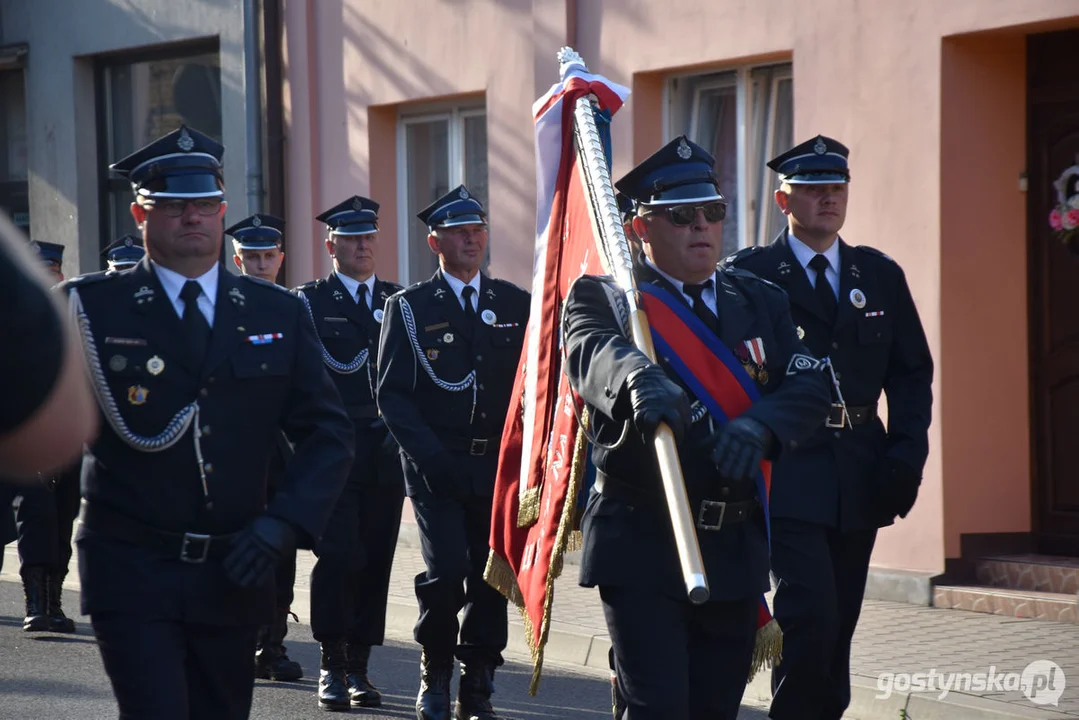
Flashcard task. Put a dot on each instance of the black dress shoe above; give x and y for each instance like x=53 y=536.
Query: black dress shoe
x=360 y=690
x=332 y=688
x=433 y=702
x=474 y=694
x=35 y=591
x=58 y=621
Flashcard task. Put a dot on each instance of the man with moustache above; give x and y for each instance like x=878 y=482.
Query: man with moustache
x=256 y=245
x=851 y=305
x=350 y=582
x=195 y=370
x=676 y=660
x=449 y=353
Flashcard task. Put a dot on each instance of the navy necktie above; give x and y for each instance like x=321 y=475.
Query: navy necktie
x=700 y=308
x=196 y=329
x=823 y=288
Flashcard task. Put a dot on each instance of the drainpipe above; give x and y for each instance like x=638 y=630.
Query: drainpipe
x=252 y=105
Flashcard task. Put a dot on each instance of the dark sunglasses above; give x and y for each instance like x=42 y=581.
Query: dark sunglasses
x=683 y=215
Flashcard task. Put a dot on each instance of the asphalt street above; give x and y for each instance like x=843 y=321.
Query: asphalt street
x=44 y=675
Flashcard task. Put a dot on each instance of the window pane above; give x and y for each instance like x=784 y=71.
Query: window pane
x=773 y=125
x=14 y=190
x=475 y=162
x=146 y=100
x=428 y=176
x=717 y=127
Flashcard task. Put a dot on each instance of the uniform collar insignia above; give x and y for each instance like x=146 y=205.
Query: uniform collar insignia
x=439 y=293
x=144 y=294
x=490 y=293
x=237 y=297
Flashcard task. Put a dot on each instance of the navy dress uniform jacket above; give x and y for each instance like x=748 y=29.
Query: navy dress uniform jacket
x=880 y=347
x=245 y=392
x=346 y=330
x=426 y=347
x=627 y=532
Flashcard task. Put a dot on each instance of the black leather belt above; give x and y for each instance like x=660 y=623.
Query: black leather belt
x=189 y=547
x=712 y=515
x=472 y=446
x=837 y=418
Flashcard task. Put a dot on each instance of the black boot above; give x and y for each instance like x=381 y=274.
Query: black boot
x=361 y=692
x=474 y=693
x=35 y=586
x=58 y=622
x=271 y=660
x=332 y=689
x=433 y=702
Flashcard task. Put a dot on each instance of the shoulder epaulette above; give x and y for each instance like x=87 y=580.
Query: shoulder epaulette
x=266 y=283
x=87 y=279
x=741 y=255
x=312 y=285
x=515 y=286
x=747 y=275
x=873 y=251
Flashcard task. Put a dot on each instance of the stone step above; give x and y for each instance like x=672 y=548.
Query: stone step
x=1058 y=607
x=1041 y=573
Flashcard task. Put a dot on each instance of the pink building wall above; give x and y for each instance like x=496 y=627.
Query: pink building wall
x=928 y=95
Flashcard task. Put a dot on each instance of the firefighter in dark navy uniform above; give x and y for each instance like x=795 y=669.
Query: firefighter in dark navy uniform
x=450 y=347
x=851 y=305
x=351 y=579
x=257 y=251
x=45 y=514
x=195 y=371
x=675 y=660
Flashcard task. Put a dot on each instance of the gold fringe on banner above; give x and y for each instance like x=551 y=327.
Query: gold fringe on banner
x=500 y=576
x=528 y=512
x=768 y=648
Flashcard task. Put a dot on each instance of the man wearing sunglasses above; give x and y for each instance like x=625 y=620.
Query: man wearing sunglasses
x=675 y=660
x=852 y=305
x=196 y=370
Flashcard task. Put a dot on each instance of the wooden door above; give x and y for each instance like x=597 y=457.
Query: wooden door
x=1053 y=128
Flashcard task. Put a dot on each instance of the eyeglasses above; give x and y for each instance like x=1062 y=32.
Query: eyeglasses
x=683 y=215
x=175 y=207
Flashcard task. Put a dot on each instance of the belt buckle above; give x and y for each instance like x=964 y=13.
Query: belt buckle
x=478 y=446
x=842 y=415
x=191 y=539
x=706 y=505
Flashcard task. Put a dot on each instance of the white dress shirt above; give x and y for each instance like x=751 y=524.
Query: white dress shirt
x=457 y=285
x=803 y=253
x=708 y=295
x=173 y=282
x=353 y=287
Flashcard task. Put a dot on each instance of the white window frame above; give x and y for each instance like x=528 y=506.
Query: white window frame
x=455 y=117
x=751 y=179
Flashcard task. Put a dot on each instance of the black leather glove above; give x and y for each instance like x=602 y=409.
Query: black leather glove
x=897 y=486
x=654 y=398
x=256 y=550
x=740 y=447
x=389 y=445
